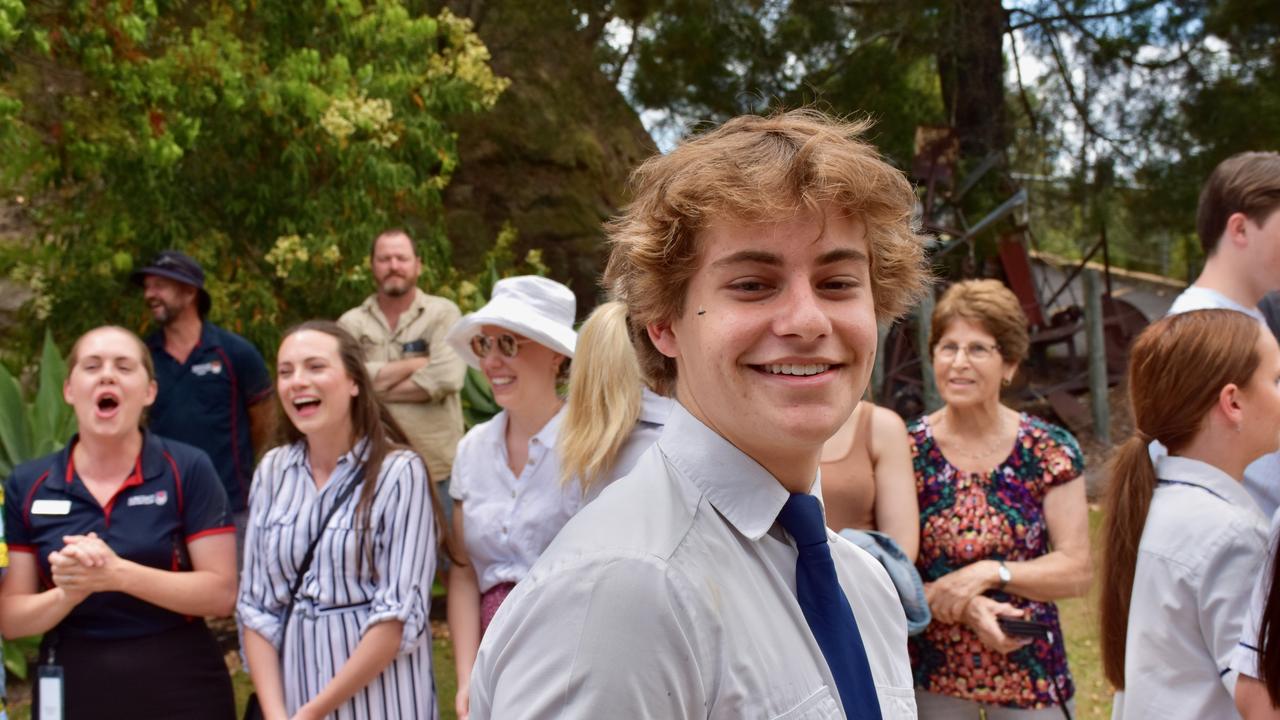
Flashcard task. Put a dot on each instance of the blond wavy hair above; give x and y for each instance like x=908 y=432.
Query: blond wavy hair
x=605 y=387
x=754 y=169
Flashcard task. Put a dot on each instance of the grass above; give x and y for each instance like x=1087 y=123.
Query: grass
x=1079 y=624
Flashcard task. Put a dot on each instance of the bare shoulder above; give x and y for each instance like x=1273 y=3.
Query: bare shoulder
x=887 y=423
x=887 y=431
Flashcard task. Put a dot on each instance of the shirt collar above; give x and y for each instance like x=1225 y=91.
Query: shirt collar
x=496 y=434
x=738 y=487
x=654 y=408
x=1209 y=298
x=296 y=454
x=152 y=461
x=1201 y=474
x=416 y=308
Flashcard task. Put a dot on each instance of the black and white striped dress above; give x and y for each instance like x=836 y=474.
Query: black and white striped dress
x=339 y=599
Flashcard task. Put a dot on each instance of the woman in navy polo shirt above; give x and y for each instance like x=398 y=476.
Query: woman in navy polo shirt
x=119 y=544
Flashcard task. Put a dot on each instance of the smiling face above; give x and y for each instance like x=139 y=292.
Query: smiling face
x=165 y=298
x=313 y=384
x=108 y=385
x=777 y=335
x=965 y=381
x=526 y=381
x=395 y=265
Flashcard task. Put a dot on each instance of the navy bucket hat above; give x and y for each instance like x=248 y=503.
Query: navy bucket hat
x=179 y=267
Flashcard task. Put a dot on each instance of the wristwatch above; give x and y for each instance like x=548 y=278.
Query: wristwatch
x=1005 y=575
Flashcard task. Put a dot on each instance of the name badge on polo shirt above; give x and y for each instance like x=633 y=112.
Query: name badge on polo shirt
x=213 y=366
x=51 y=507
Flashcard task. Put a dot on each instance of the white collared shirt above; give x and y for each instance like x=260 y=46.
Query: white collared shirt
x=672 y=595
x=508 y=521
x=1244 y=659
x=1203 y=544
x=654 y=411
x=1262 y=477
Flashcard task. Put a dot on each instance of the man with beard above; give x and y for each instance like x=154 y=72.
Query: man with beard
x=213 y=384
x=402 y=331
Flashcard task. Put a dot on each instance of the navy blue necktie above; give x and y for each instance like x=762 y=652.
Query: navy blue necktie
x=827 y=610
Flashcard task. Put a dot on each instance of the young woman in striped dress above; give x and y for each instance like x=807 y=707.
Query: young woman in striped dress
x=357 y=643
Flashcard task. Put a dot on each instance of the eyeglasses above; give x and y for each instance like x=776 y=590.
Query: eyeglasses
x=976 y=352
x=507 y=344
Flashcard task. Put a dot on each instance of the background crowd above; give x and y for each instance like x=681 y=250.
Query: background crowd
x=319 y=508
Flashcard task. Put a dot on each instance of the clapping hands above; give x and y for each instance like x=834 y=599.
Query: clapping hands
x=85 y=565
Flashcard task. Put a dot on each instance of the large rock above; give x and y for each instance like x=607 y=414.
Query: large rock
x=553 y=156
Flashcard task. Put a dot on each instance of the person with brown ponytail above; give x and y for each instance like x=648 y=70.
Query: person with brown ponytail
x=1183 y=540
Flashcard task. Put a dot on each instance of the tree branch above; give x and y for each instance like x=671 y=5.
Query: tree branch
x=1075 y=17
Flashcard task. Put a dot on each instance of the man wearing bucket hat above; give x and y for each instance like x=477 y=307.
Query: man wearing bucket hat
x=417 y=375
x=755 y=261
x=508 y=499
x=213 y=384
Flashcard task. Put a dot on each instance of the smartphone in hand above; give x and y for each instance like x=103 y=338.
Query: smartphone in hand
x=1018 y=627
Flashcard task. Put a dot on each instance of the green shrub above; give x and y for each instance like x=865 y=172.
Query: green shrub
x=31 y=428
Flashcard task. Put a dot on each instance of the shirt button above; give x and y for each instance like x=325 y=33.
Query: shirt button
x=504 y=529
x=513 y=493
x=530 y=461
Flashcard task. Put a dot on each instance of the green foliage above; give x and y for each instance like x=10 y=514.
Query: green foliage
x=272 y=141
x=477 y=399
x=30 y=428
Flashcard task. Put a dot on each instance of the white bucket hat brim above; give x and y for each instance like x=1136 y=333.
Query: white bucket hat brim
x=536 y=307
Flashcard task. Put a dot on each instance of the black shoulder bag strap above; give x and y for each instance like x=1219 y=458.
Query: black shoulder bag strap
x=311 y=551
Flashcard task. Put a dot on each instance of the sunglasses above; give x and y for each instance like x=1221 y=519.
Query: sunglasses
x=506 y=343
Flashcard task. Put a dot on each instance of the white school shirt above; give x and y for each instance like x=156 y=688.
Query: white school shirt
x=654 y=411
x=673 y=595
x=1262 y=477
x=1244 y=659
x=507 y=521
x=1203 y=544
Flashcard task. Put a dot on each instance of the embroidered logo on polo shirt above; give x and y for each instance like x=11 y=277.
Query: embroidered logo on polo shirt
x=213 y=366
x=159 y=497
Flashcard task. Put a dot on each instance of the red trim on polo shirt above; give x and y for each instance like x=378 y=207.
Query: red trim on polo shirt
x=31 y=497
x=30 y=549
x=235 y=436
x=177 y=481
x=134 y=480
x=211 y=531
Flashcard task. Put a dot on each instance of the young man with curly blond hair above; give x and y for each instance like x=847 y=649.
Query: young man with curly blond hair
x=755 y=261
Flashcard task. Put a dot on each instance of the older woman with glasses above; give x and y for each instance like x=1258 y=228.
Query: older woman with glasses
x=508 y=499
x=1003 y=520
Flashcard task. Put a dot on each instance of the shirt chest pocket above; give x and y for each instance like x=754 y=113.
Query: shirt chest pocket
x=818 y=706
x=211 y=384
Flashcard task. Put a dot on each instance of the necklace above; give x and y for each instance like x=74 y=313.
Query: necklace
x=986 y=451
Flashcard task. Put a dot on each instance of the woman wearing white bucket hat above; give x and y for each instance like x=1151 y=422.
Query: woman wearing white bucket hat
x=508 y=499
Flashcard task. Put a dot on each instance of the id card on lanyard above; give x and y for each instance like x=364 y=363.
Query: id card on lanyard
x=51 y=692
x=49 y=682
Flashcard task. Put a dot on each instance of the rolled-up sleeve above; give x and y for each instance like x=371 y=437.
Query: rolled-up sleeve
x=591 y=641
x=259 y=606
x=1238 y=558
x=405 y=549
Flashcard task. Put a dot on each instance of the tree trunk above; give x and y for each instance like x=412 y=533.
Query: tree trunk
x=971 y=69
x=553 y=156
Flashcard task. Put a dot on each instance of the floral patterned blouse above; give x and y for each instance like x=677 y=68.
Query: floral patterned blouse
x=965 y=518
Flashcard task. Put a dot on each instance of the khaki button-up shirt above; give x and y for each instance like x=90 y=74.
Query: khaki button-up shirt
x=434 y=426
